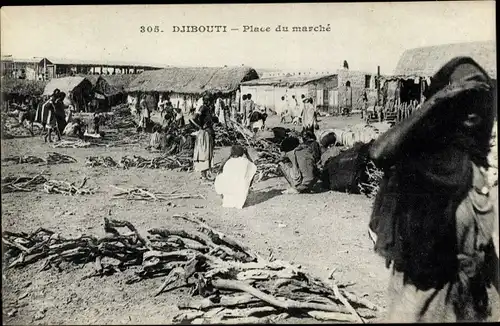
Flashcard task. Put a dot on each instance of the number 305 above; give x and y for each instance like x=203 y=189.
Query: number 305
x=150 y=29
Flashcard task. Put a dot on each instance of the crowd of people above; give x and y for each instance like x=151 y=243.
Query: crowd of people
x=55 y=113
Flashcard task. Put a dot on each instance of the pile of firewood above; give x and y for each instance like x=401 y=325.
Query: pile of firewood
x=105 y=161
x=66 y=188
x=122 y=118
x=226 y=136
x=371 y=186
x=228 y=282
x=268 y=152
x=125 y=138
x=52 y=158
x=122 y=122
x=26 y=159
x=11 y=128
x=56 y=158
x=22 y=183
x=73 y=144
x=181 y=162
x=144 y=194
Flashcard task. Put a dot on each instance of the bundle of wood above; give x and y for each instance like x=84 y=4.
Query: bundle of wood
x=267 y=161
x=144 y=194
x=56 y=158
x=371 y=186
x=105 y=161
x=267 y=171
x=52 y=158
x=22 y=183
x=66 y=188
x=227 y=136
x=223 y=274
x=29 y=159
x=121 y=118
x=121 y=122
x=11 y=128
x=182 y=162
x=268 y=153
x=73 y=144
x=127 y=138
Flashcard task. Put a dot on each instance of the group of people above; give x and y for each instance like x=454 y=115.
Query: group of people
x=303 y=111
x=55 y=114
x=52 y=113
x=302 y=159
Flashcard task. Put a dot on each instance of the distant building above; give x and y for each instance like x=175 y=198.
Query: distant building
x=331 y=91
x=185 y=85
x=45 y=69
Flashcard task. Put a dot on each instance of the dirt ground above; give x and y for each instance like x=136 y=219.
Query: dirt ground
x=322 y=232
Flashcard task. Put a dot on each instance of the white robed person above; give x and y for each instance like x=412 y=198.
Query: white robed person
x=236 y=178
x=221 y=110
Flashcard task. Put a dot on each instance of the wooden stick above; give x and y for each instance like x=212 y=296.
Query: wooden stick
x=17 y=245
x=224 y=301
x=244 y=320
x=223 y=237
x=131 y=227
x=346 y=303
x=361 y=301
x=288 y=304
x=173 y=276
x=337 y=316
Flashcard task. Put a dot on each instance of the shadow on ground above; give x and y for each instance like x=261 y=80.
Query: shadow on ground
x=257 y=197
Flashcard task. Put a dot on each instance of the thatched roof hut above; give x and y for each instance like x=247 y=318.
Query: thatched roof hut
x=192 y=80
x=117 y=83
x=425 y=61
x=109 y=85
x=289 y=81
x=80 y=87
x=23 y=87
x=67 y=84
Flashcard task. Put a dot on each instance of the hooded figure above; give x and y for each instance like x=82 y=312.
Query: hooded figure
x=433 y=217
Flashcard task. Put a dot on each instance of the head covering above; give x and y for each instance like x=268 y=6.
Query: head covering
x=237 y=151
x=461 y=90
x=414 y=213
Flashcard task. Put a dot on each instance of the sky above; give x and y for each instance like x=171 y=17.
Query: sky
x=367 y=35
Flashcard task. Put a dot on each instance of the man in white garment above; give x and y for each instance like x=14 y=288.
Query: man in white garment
x=234 y=182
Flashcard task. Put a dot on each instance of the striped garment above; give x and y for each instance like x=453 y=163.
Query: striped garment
x=45 y=115
x=203 y=151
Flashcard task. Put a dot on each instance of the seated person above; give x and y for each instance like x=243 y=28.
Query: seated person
x=301 y=171
x=258 y=120
x=236 y=178
x=309 y=139
x=157 y=139
x=328 y=144
x=75 y=128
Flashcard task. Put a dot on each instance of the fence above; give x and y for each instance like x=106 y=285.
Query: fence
x=394 y=113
